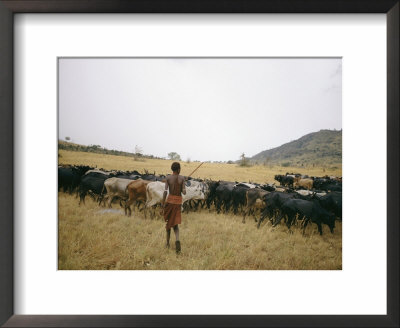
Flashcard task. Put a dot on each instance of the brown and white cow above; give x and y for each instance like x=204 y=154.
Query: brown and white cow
x=136 y=194
x=254 y=202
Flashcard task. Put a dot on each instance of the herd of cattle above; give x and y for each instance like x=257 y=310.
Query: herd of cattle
x=297 y=198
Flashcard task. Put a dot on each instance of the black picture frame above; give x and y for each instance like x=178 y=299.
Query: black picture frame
x=10 y=7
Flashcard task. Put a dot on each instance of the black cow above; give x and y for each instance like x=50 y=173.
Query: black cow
x=149 y=177
x=212 y=187
x=309 y=211
x=69 y=177
x=223 y=196
x=267 y=187
x=327 y=184
x=333 y=187
x=238 y=197
x=127 y=176
x=92 y=184
x=127 y=173
x=65 y=178
x=278 y=178
x=332 y=202
x=319 y=216
x=320 y=183
x=285 y=180
x=273 y=203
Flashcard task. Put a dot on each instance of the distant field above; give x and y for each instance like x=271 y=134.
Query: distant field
x=95 y=238
x=214 y=171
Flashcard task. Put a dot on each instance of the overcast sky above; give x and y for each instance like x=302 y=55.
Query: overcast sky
x=203 y=109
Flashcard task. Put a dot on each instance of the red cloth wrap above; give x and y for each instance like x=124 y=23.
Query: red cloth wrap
x=172 y=199
x=172 y=215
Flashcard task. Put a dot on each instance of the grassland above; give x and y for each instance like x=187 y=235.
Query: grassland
x=214 y=171
x=95 y=238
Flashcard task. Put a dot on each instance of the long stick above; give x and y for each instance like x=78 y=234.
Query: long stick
x=196 y=169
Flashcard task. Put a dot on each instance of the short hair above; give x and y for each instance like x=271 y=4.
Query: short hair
x=175 y=166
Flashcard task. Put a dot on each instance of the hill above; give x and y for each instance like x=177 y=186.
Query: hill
x=320 y=148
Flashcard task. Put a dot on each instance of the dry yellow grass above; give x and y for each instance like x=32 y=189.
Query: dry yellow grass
x=95 y=238
x=214 y=171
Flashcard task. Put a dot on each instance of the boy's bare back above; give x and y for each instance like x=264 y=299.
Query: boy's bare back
x=176 y=184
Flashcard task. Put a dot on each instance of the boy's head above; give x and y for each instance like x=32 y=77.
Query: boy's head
x=176 y=167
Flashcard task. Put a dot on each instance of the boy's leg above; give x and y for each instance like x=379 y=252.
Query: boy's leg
x=176 y=230
x=177 y=242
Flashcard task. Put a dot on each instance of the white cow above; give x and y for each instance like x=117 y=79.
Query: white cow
x=200 y=191
x=198 y=186
x=155 y=191
x=244 y=184
x=98 y=171
x=116 y=187
x=309 y=192
x=305 y=192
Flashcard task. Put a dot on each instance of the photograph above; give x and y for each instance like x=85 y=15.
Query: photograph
x=199 y=163
x=200 y=143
